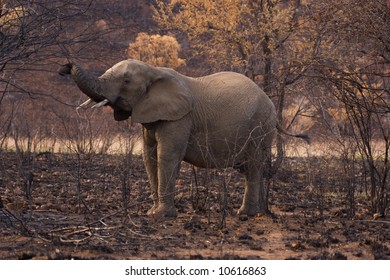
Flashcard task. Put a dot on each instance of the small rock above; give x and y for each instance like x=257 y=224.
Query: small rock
x=260 y=232
x=377 y=216
x=243 y=218
x=339 y=256
x=245 y=236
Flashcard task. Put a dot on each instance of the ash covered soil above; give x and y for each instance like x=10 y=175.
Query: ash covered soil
x=63 y=206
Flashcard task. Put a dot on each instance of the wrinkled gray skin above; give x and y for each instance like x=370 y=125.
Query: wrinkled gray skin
x=216 y=121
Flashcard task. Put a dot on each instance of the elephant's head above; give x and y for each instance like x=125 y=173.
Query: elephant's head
x=133 y=88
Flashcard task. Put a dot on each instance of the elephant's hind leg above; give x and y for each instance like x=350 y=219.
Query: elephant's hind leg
x=253 y=181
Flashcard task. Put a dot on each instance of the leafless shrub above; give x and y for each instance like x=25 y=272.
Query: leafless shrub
x=126 y=163
x=211 y=191
x=369 y=124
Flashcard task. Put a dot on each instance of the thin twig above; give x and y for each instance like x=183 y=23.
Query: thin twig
x=24 y=228
x=373 y=221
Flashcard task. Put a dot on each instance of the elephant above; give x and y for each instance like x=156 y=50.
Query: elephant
x=216 y=121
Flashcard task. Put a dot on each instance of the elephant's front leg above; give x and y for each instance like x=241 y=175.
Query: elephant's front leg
x=150 y=160
x=172 y=139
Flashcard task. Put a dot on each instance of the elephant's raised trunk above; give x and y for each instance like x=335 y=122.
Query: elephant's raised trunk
x=87 y=84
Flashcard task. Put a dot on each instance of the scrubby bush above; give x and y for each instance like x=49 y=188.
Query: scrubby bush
x=157 y=50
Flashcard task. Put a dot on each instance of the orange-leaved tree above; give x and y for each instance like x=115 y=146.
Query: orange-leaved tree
x=156 y=50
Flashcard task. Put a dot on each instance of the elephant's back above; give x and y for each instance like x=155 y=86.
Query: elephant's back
x=231 y=96
x=223 y=83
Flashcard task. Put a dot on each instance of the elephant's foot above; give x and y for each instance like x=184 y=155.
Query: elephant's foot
x=151 y=210
x=248 y=210
x=162 y=211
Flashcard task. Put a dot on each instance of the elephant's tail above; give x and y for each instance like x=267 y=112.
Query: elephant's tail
x=302 y=136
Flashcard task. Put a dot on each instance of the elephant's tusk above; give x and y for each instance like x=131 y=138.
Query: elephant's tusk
x=82 y=105
x=100 y=104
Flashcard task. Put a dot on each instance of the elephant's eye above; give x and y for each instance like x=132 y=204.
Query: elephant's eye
x=127 y=81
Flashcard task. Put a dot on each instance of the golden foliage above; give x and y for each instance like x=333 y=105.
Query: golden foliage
x=240 y=35
x=156 y=50
x=11 y=18
x=338 y=114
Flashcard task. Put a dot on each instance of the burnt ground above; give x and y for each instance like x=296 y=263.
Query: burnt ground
x=93 y=207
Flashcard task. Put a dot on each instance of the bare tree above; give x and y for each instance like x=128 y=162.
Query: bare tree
x=353 y=62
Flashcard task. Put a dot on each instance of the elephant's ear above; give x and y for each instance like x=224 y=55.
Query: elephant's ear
x=168 y=98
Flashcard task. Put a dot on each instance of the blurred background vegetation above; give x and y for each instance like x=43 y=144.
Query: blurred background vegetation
x=324 y=63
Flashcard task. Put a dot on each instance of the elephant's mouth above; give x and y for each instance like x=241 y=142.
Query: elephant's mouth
x=122 y=109
x=121 y=115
